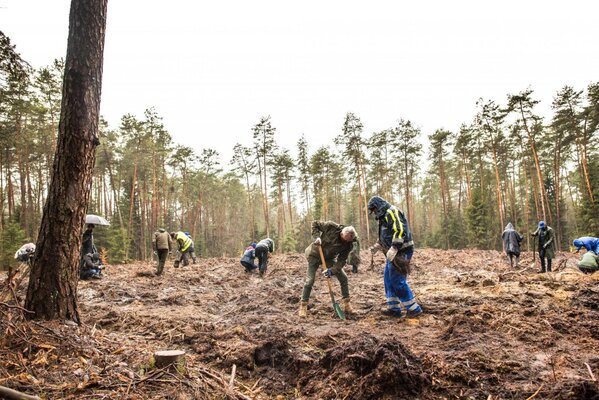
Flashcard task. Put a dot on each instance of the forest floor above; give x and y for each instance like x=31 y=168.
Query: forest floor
x=488 y=331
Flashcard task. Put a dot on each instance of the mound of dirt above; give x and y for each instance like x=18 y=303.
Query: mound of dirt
x=367 y=368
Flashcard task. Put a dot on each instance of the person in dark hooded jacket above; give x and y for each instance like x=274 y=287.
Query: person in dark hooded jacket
x=511 y=243
x=262 y=252
x=546 y=245
x=247 y=259
x=395 y=239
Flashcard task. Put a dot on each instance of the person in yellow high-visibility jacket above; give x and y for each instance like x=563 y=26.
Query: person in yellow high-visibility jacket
x=184 y=244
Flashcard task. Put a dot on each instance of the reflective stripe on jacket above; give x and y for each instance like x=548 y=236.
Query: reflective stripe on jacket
x=183 y=240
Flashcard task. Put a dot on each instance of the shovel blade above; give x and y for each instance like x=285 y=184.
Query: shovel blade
x=337 y=308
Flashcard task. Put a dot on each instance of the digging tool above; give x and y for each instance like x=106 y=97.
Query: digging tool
x=336 y=305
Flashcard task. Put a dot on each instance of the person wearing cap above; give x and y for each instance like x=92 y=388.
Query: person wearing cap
x=395 y=238
x=546 y=245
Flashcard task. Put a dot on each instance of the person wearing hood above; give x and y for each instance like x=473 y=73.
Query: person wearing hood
x=262 y=251
x=588 y=242
x=396 y=241
x=546 y=247
x=247 y=259
x=25 y=253
x=336 y=242
x=162 y=246
x=511 y=243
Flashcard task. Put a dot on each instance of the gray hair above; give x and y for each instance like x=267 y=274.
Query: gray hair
x=349 y=229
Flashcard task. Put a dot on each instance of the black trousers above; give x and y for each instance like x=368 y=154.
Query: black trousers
x=542 y=257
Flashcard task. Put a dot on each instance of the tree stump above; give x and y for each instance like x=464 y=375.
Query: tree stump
x=165 y=358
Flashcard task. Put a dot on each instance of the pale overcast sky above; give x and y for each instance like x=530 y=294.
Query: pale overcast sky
x=213 y=68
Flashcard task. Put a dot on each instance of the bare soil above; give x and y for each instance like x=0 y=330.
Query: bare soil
x=488 y=331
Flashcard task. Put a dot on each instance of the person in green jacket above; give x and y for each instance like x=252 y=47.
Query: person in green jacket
x=588 y=262
x=546 y=245
x=336 y=241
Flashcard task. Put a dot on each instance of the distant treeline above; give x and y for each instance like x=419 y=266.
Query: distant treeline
x=505 y=165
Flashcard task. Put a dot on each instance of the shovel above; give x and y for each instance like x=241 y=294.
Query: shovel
x=336 y=305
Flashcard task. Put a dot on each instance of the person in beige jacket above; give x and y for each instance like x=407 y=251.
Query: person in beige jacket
x=162 y=246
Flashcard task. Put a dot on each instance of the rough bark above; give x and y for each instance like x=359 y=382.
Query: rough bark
x=52 y=291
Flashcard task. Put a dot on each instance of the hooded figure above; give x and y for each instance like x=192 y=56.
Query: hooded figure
x=247 y=260
x=588 y=242
x=263 y=248
x=396 y=239
x=546 y=245
x=511 y=243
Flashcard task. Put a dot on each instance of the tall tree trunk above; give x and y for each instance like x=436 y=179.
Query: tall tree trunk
x=10 y=191
x=131 y=203
x=498 y=189
x=557 y=181
x=113 y=187
x=526 y=200
x=365 y=202
x=290 y=209
x=52 y=291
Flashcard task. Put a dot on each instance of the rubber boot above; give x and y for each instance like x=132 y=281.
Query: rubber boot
x=347 y=306
x=303 y=310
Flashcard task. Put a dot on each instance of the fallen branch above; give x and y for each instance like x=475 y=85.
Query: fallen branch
x=537 y=392
x=591 y=372
x=16 y=307
x=11 y=394
x=232 y=380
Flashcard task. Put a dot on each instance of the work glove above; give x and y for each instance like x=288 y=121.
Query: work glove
x=397 y=242
x=155 y=252
x=327 y=273
x=317 y=241
x=391 y=253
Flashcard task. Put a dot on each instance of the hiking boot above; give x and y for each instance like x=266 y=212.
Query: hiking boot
x=390 y=313
x=415 y=313
x=347 y=306
x=303 y=310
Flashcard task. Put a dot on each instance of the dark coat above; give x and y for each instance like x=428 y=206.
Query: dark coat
x=393 y=224
x=87 y=245
x=548 y=242
x=511 y=240
x=333 y=247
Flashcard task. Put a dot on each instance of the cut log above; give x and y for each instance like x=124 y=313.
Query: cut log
x=165 y=358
